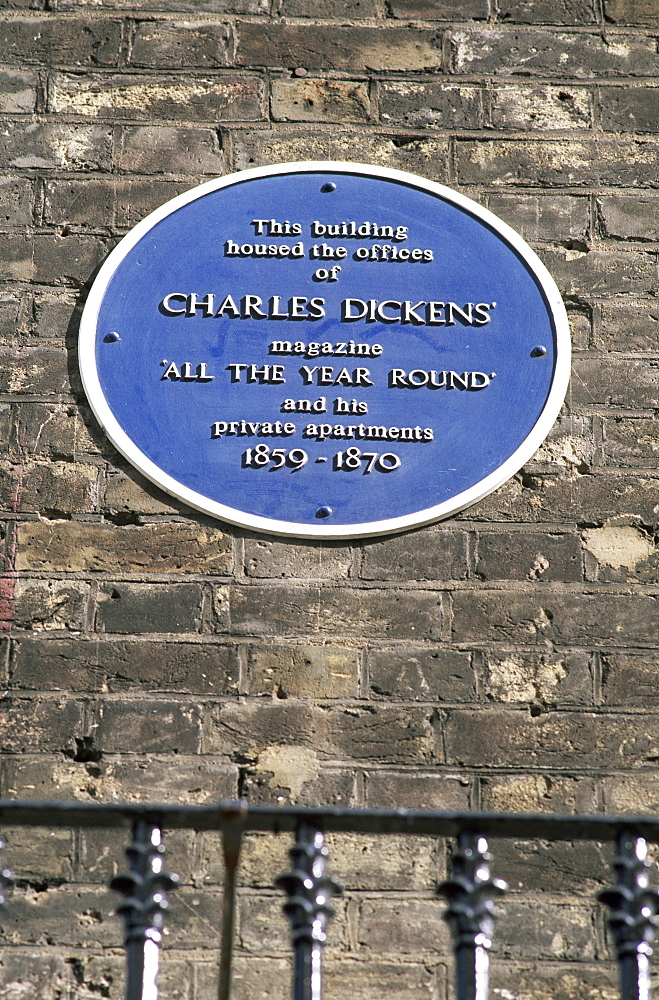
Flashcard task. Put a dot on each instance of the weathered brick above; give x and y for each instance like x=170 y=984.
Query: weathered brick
x=355 y=980
x=547 y=12
x=252 y=978
x=425 y=155
x=562 y=162
x=431 y=105
x=556 y=981
x=287 y=776
x=631 y=793
x=159 y=548
x=580 y=320
x=46 y=146
x=18 y=91
x=54 y=312
x=630 y=109
x=40 y=370
x=59 y=41
x=516 y=739
x=16 y=198
x=340 y=48
x=40 y=725
x=543 y=52
x=128 y=779
x=115 y=666
x=421 y=674
x=266 y=557
x=46 y=976
x=147 y=726
x=412 y=863
x=173 y=6
x=550 y=499
x=108 y=202
x=132 y=492
x=629 y=326
x=303 y=672
x=104 y=974
x=541 y=106
x=549 y=616
x=156 y=149
x=629 y=218
x=51 y=487
x=410 y=790
x=143 y=608
x=50 y=604
x=621 y=551
x=403 y=927
x=45 y=429
x=39 y=854
x=422 y=555
x=606 y=381
x=329 y=8
x=547 y=931
x=398 y=735
x=5 y=426
x=512 y=555
x=631 y=11
x=232 y=97
x=602 y=272
x=12 y=306
x=313 y=100
x=52 y=259
x=321 y=611
x=551 y=679
x=543 y=217
x=631 y=442
x=263 y=932
x=102 y=854
x=86 y=915
x=630 y=678
x=537 y=793
x=438 y=10
x=181 y=44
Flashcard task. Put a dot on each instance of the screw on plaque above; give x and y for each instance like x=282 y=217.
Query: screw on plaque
x=324 y=512
x=112 y=337
x=539 y=352
x=329 y=186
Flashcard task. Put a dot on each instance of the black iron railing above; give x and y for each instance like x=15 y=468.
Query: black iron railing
x=470 y=890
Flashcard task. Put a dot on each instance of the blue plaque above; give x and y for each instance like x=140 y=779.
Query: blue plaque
x=325 y=350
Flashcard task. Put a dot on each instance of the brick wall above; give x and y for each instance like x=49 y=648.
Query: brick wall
x=507 y=659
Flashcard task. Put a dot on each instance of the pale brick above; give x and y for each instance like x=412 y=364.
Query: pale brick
x=320 y=101
x=231 y=97
x=339 y=48
x=303 y=672
x=541 y=107
x=159 y=548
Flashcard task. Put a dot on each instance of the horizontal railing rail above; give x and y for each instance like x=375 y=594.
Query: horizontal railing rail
x=470 y=891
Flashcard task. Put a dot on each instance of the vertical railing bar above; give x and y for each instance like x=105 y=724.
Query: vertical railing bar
x=143 y=909
x=232 y=832
x=471 y=912
x=6 y=877
x=308 y=908
x=633 y=918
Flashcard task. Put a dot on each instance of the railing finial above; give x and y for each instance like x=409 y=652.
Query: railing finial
x=144 y=888
x=471 y=912
x=633 y=919
x=308 y=908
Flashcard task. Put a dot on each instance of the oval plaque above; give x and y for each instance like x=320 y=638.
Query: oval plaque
x=325 y=349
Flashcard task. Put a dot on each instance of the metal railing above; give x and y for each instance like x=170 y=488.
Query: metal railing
x=469 y=891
